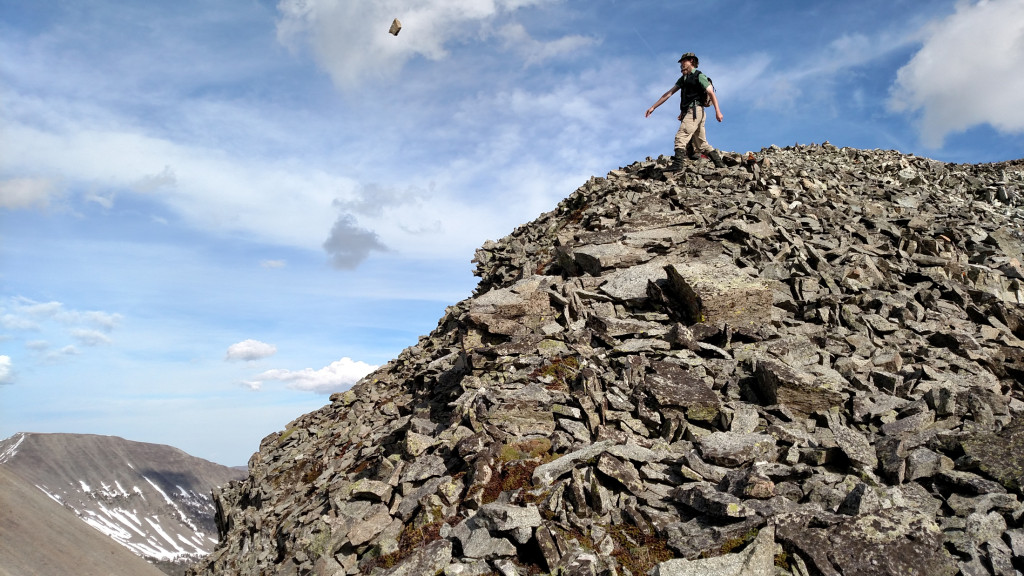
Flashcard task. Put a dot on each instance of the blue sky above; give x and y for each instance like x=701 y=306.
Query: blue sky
x=212 y=214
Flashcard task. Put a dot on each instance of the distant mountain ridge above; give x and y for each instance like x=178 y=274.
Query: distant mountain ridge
x=39 y=537
x=152 y=499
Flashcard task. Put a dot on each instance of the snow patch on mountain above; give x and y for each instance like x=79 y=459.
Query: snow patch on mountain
x=151 y=499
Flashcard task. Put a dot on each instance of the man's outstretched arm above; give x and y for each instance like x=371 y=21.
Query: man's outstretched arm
x=661 y=100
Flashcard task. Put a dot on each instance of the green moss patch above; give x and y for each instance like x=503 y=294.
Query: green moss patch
x=410 y=540
x=637 y=550
x=559 y=371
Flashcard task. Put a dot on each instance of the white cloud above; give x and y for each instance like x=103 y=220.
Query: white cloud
x=338 y=376
x=18 y=323
x=6 y=370
x=535 y=51
x=90 y=337
x=154 y=182
x=104 y=198
x=372 y=199
x=58 y=355
x=273 y=263
x=250 y=350
x=967 y=73
x=103 y=320
x=21 y=193
x=277 y=201
x=777 y=81
x=350 y=40
x=284 y=202
x=89 y=327
x=53 y=310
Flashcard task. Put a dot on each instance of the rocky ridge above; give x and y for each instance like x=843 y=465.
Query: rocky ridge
x=809 y=362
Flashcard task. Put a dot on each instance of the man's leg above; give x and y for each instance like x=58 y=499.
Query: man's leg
x=700 y=139
x=691 y=152
x=701 y=143
x=686 y=132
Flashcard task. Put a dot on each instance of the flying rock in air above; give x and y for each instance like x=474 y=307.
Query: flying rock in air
x=396 y=27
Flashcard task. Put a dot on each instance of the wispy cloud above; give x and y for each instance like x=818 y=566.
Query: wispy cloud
x=349 y=38
x=90 y=337
x=61 y=354
x=6 y=370
x=18 y=323
x=21 y=193
x=52 y=321
x=773 y=80
x=154 y=182
x=533 y=51
x=373 y=199
x=335 y=377
x=25 y=314
x=967 y=72
x=209 y=188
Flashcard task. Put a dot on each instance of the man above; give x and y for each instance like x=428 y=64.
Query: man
x=693 y=84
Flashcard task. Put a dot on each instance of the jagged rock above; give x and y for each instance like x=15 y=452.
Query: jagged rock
x=429 y=559
x=703 y=497
x=420 y=469
x=731 y=449
x=545 y=474
x=506 y=518
x=924 y=463
x=595 y=258
x=481 y=545
x=673 y=387
x=369 y=527
x=717 y=290
x=855 y=445
x=823 y=342
x=629 y=285
x=892 y=541
x=1000 y=454
x=757 y=559
x=623 y=472
x=778 y=383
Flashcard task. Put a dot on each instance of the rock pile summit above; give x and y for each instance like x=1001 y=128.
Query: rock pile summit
x=807 y=363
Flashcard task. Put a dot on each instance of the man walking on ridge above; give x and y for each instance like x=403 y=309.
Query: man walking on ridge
x=694 y=85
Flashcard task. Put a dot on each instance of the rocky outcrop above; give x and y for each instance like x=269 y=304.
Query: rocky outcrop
x=809 y=362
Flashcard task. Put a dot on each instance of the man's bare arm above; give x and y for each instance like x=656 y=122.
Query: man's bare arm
x=714 y=102
x=662 y=100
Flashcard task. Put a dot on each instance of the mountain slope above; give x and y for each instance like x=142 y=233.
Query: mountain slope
x=39 y=537
x=810 y=362
x=152 y=499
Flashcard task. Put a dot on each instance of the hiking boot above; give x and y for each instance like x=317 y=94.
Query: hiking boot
x=677 y=161
x=716 y=158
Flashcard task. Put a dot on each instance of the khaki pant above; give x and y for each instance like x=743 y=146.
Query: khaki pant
x=693 y=129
